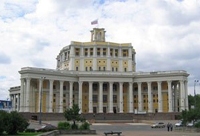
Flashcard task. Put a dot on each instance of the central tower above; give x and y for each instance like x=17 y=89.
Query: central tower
x=98 y=35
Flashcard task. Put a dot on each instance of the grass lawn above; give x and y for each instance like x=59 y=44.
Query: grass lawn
x=26 y=134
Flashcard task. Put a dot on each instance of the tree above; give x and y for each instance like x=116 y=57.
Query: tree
x=16 y=123
x=72 y=114
x=3 y=121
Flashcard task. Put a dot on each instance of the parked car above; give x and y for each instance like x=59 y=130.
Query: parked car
x=190 y=124
x=158 y=125
x=179 y=124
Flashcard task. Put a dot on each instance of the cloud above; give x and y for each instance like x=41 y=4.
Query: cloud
x=165 y=34
x=4 y=59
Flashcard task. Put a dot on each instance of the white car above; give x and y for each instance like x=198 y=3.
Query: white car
x=158 y=125
x=179 y=124
x=191 y=124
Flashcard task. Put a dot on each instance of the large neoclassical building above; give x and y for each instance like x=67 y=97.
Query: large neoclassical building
x=100 y=77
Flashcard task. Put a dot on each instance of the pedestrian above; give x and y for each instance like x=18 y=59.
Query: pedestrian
x=168 y=125
x=171 y=127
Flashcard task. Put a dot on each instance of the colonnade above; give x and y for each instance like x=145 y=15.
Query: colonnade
x=176 y=90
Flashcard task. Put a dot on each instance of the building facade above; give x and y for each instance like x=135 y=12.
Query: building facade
x=100 y=77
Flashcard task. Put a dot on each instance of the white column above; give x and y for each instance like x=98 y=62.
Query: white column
x=169 y=96
x=80 y=96
x=61 y=97
x=182 y=95
x=40 y=94
x=14 y=102
x=22 y=96
x=51 y=96
x=150 y=102
x=121 y=97
x=27 y=94
x=130 y=94
x=71 y=94
x=18 y=102
x=100 y=97
x=111 y=97
x=140 y=102
x=160 y=102
x=186 y=95
x=90 y=98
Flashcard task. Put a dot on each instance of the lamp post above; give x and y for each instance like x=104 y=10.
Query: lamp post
x=40 y=114
x=195 y=82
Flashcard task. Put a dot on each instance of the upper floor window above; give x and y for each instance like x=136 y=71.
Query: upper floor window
x=116 y=52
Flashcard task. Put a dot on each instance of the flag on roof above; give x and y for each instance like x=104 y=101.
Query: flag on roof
x=94 y=22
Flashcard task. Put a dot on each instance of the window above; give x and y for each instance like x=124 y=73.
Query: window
x=76 y=68
x=64 y=95
x=104 y=98
x=116 y=69
x=124 y=69
x=104 y=87
x=116 y=52
x=85 y=68
x=54 y=95
x=135 y=88
x=54 y=86
x=104 y=68
x=115 y=98
x=95 y=87
x=112 y=69
x=64 y=87
x=95 y=98
x=114 y=87
x=99 y=68
x=90 y=68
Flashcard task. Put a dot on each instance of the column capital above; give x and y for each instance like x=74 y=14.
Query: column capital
x=51 y=80
x=139 y=83
x=169 y=81
x=159 y=82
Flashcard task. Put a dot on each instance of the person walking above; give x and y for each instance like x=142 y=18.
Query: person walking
x=168 y=126
x=171 y=127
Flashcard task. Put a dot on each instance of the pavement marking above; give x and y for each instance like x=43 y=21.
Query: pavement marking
x=100 y=124
x=137 y=124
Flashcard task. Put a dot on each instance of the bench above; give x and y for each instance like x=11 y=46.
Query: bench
x=112 y=133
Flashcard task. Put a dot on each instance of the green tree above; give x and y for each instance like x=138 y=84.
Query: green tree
x=16 y=123
x=72 y=114
x=3 y=121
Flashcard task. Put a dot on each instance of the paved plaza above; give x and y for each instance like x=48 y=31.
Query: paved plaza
x=130 y=129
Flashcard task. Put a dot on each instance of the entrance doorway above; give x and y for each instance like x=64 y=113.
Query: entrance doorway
x=104 y=109
x=94 y=109
x=114 y=109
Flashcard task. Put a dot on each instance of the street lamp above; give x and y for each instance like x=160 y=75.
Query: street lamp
x=40 y=115
x=195 y=82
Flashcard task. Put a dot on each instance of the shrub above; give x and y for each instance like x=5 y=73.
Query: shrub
x=16 y=122
x=74 y=126
x=197 y=125
x=3 y=121
x=64 y=125
x=85 y=126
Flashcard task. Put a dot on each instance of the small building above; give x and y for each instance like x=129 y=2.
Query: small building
x=5 y=105
x=100 y=77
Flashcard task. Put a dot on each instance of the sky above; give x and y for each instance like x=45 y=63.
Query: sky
x=164 y=33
